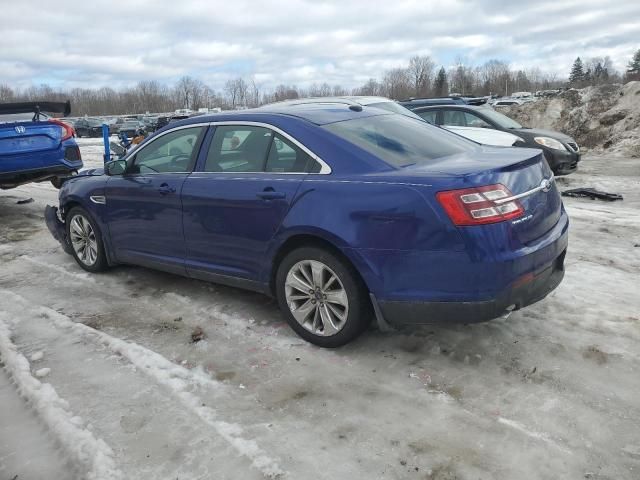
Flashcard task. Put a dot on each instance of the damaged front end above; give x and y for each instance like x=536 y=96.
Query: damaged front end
x=57 y=227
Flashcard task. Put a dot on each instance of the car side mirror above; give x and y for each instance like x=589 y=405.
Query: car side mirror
x=115 y=167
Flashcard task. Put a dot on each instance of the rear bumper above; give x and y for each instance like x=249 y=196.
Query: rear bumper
x=518 y=296
x=20 y=177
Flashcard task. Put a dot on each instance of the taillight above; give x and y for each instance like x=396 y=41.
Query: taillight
x=67 y=130
x=480 y=205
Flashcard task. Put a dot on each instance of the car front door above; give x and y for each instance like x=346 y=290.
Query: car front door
x=236 y=201
x=144 y=207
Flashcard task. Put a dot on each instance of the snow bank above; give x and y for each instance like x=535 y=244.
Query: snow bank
x=91 y=454
x=605 y=118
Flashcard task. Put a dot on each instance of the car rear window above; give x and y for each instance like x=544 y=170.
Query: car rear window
x=19 y=117
x=394 y=107
x=400 y=140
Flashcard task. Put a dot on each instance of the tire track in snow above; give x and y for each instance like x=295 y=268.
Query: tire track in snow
x=178 y=380
x=236 y=325
x=91 y=454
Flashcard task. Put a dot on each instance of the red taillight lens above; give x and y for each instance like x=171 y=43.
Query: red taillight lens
x=67 y=130
x=480 y=205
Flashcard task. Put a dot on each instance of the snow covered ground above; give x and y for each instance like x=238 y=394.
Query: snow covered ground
x=100 y=379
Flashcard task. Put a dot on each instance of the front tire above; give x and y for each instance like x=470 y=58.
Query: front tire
x=322 y=297
x=86 y=242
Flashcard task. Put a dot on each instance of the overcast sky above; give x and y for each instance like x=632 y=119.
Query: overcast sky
x=108 y=42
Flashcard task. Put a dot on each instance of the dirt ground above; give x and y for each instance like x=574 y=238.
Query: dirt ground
x=553 y=392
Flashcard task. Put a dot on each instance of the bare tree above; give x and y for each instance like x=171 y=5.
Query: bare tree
x=396 y=84
x=420 y=71
x=371 y=88
x=236 y=91
x=6 y=93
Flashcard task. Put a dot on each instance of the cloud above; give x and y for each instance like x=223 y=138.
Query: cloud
x=109 y=42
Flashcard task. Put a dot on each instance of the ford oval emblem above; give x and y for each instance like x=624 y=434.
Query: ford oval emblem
x=20 y=129
x=545 y=185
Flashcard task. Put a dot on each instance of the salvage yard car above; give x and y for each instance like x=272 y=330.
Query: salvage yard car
x=88 y=127
x=35 y=147
x=344 y=213
x=560 y=150
x=479 y=135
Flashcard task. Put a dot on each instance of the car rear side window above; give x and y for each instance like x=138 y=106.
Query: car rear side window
x=429 y=116
x=173 y=152
x=238 y=148
x=399 y=140
x=286 y=157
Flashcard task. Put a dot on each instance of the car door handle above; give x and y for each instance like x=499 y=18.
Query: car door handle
x=271 y=194
x=165 y=189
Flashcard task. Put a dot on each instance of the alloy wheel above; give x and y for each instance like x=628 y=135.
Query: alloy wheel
x=83 y=239
x=316 y=298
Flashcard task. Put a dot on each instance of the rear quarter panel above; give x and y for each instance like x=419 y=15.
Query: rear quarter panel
x=369 y=219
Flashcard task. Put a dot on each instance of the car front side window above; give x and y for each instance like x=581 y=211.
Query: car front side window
x=174 y=152
x=473 y=120
x=453 y=118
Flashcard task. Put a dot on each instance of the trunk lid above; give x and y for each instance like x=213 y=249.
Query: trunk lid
x=29 y=137
x=521 y=170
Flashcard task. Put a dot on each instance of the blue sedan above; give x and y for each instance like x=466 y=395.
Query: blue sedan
x=35 y=147
x=343 y=213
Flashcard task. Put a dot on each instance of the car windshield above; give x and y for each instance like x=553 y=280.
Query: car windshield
x=399 y=140
x=395 y=108
x=502 y=120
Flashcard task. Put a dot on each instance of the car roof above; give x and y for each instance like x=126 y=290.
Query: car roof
x=317 y=113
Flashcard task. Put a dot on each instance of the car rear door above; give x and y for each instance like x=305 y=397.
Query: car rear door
x=236 y=201
x=144 y=210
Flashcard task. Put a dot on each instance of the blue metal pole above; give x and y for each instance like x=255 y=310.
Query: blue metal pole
x=105 y=139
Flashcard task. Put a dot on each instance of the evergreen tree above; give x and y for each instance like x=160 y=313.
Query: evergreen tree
x=634 y=64
x=440 y=86
x=577 y=74
x=598 y=72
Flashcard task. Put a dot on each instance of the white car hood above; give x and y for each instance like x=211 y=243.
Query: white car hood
x=486 y=136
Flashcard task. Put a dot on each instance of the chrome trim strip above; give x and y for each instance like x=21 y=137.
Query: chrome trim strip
x=325 y=169
x=99 y=199
x=546 y=184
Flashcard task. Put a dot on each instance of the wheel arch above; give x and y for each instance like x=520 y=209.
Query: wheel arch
x=317 y=239
x=73 y=202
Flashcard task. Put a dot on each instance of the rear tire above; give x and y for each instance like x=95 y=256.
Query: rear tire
x=322 y=297
x=86 y=242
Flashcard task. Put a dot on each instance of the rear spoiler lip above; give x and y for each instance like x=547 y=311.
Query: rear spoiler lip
x=36 y=107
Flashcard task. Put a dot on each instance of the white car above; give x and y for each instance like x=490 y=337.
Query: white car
x=506 y=102
x=485 y=136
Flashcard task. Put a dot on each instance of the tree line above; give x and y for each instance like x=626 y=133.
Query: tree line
x=421 y=77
